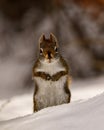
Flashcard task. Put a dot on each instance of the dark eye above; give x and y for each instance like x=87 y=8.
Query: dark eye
x=56 y=49
x=41 y=51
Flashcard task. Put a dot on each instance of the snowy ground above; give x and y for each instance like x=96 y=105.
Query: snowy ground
x=21 y=105
x=88 y=115
x=82 y=114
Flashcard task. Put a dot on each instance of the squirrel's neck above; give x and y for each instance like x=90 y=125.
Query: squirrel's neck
x=50 y=68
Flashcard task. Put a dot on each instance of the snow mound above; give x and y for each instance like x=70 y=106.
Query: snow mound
x=88 y=115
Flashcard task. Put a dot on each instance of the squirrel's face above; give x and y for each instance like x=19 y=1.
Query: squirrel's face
x=48 y=49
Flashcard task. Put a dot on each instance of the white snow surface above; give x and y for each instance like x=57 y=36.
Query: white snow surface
x=85 y=112
x=88 y=115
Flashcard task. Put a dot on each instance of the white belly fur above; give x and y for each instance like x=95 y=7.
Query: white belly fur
x=50 y=93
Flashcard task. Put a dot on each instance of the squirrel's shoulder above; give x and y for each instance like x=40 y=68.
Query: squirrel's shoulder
x=64 y=63
x=36 y=63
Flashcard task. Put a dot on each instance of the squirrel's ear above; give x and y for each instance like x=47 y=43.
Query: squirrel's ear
x=42 y=38
x=53 y=38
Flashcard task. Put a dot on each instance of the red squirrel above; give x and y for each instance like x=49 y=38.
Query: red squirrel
x=51 y=75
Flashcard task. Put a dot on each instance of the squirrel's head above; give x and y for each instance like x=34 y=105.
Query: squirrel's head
x=48 y=49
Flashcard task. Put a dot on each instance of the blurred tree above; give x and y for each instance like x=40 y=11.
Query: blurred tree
x=78 y=24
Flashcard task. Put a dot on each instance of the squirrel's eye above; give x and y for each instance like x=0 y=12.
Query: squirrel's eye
x=56 y=49
x=41 y=51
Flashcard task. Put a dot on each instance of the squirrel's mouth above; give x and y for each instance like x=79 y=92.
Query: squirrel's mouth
x=49 y=57
x=49 y=60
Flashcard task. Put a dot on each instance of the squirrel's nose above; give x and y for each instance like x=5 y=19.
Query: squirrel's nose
x=49 y=55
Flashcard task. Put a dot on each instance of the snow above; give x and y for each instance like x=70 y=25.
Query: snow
x=15 y=107
x=85 y=112
x=86 y=115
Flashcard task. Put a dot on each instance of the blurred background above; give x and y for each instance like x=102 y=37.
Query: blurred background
x=78 y=25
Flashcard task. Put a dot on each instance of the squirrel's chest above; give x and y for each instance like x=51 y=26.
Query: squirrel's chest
x=50 y=68
x=51 y=93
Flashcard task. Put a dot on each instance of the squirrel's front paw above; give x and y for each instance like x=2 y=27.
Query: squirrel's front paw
x=48 y=77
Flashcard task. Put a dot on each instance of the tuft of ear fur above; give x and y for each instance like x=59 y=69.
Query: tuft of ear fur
x=42 y=38
x=53 y=38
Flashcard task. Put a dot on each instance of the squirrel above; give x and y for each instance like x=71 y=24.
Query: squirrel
x=50 y=74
